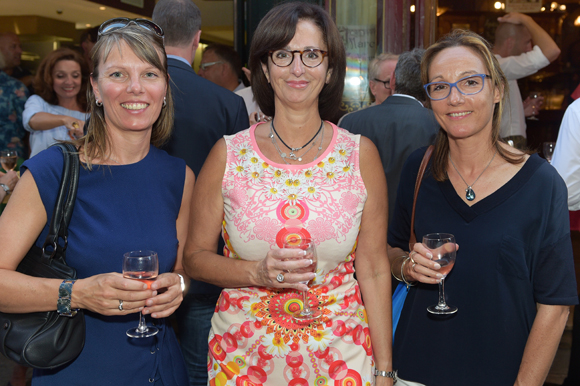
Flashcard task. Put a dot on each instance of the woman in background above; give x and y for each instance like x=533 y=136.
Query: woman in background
x=58 y=111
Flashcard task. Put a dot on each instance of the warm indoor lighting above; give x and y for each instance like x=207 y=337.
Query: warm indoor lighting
x=577 y=22
x=87 y=25
x=102 y=8
x=412 y=8
x=553 y=6
x=497 y=5
x=543 y=9
x=563 y=7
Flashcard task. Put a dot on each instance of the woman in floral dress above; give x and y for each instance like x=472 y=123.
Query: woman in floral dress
x=295 y=177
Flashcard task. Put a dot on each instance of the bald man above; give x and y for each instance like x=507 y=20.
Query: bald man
x=522 y=48
x=12 y=51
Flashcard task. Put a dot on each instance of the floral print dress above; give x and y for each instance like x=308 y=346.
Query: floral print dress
x=254 y=339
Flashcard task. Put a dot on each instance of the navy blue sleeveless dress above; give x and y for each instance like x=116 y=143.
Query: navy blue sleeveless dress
x=119 y=208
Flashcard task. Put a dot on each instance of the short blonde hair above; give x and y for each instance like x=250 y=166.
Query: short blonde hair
x=149 y=48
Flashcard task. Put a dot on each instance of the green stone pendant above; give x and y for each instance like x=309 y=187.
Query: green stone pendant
x=469 y=194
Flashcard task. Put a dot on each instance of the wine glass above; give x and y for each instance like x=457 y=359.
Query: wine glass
x=307 y=245
x=549 y=150
x=142 y=266
x=442 y=246
x=536 y=101
x=8 y=159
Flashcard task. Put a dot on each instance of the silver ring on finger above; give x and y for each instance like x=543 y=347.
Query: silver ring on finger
x=280 y=278
x=120 y=305
x=413 y=266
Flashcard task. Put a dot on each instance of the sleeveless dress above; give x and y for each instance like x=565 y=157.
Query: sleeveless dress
x=119 y=208
x=254 y=339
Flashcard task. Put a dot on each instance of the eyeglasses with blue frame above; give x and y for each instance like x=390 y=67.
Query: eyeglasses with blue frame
x=469 y=85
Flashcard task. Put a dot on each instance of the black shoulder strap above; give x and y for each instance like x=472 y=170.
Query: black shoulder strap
x=64 y=205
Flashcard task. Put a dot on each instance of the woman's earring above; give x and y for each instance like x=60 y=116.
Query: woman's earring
x=98 y=103
x=164 y=101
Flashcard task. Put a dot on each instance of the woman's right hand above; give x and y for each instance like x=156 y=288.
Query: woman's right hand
x=284 y=261
x=74 y=126
x=102 y=294
x=421 y=266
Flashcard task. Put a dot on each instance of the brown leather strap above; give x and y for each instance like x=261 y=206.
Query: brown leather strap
x=426 y=157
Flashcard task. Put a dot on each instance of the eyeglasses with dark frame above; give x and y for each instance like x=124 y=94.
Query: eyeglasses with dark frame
x=469 y=85
x=121 y=22
x=386 y=83
x=310 y=58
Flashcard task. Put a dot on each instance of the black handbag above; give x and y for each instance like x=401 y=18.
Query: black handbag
x=46 y=340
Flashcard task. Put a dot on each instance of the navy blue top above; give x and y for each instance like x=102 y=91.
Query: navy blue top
x=514 y=251
x=119 y=208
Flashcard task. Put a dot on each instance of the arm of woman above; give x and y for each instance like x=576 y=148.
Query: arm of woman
x=542 y=344
x=169 y=300
x=20 y=224
x=207 y=212
x=372 y=262
x=47 y=121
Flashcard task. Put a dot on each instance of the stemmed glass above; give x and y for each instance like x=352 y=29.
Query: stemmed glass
x=549 y=150
x=8 y=159
x=535 y=95
x=442 y=246
x=142 y=266
x=307 y=245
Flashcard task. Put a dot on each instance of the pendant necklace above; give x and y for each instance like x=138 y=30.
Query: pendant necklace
x=283 y=155
x=469 y=192
x=292 y=154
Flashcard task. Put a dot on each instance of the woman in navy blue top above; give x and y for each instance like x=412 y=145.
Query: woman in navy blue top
x=131 y=196
x=514 y=276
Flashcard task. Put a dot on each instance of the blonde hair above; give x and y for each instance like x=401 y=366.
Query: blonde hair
x=149 y=48
x=479 y=46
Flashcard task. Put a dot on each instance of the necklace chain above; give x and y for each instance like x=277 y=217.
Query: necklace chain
x=292 y=155
x=469 y=192
x=294 y=149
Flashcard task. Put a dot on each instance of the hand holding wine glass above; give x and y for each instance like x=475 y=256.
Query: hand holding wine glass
x=443 y=249
x=548 y=149
x=307 y=245
x=142 y=266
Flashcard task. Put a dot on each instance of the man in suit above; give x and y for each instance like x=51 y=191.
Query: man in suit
x=204 y=112
x=400 y=124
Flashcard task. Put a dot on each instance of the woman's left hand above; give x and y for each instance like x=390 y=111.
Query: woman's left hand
x=169 y=297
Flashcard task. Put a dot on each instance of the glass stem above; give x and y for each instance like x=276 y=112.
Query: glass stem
x=442 y=303
x=306 y=307
x=142 y=326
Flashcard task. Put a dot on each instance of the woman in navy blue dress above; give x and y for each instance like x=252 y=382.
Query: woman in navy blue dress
x=132 y=196
x=513 y=280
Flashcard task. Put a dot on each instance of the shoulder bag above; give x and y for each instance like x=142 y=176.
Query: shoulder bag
x=46 y=340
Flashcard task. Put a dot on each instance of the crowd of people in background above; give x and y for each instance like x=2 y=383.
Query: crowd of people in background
x=219 y=171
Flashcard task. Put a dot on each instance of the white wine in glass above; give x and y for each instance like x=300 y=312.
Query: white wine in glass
x=549 y=150
x=307 y=245
x=8 y=159
x=142 y=266
x=443 y=248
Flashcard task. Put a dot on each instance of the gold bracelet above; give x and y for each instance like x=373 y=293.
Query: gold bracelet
x=409 y=284
x=392 y=265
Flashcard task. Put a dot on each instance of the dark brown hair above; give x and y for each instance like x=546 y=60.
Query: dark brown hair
x=275 y=31
x=43 y=82
x=480 y=47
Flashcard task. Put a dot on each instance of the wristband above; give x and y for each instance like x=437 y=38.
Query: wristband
x=64 y=297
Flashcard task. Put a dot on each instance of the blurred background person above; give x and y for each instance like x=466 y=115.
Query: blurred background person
x=12 y=50
x=58 y=110
x=400 y=124
x=204 y=113
x=87 y=42
x=513 y=280
x=223 y=66
x=13 y=97
x=259 y=193
x=522 y=48
x=381 y=69
x=132 y=196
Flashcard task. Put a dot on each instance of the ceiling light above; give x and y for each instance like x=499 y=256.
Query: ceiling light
x=563 y=7
x=102 y=8
x=497 y=5
x=577 y=22
x=412 y=8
